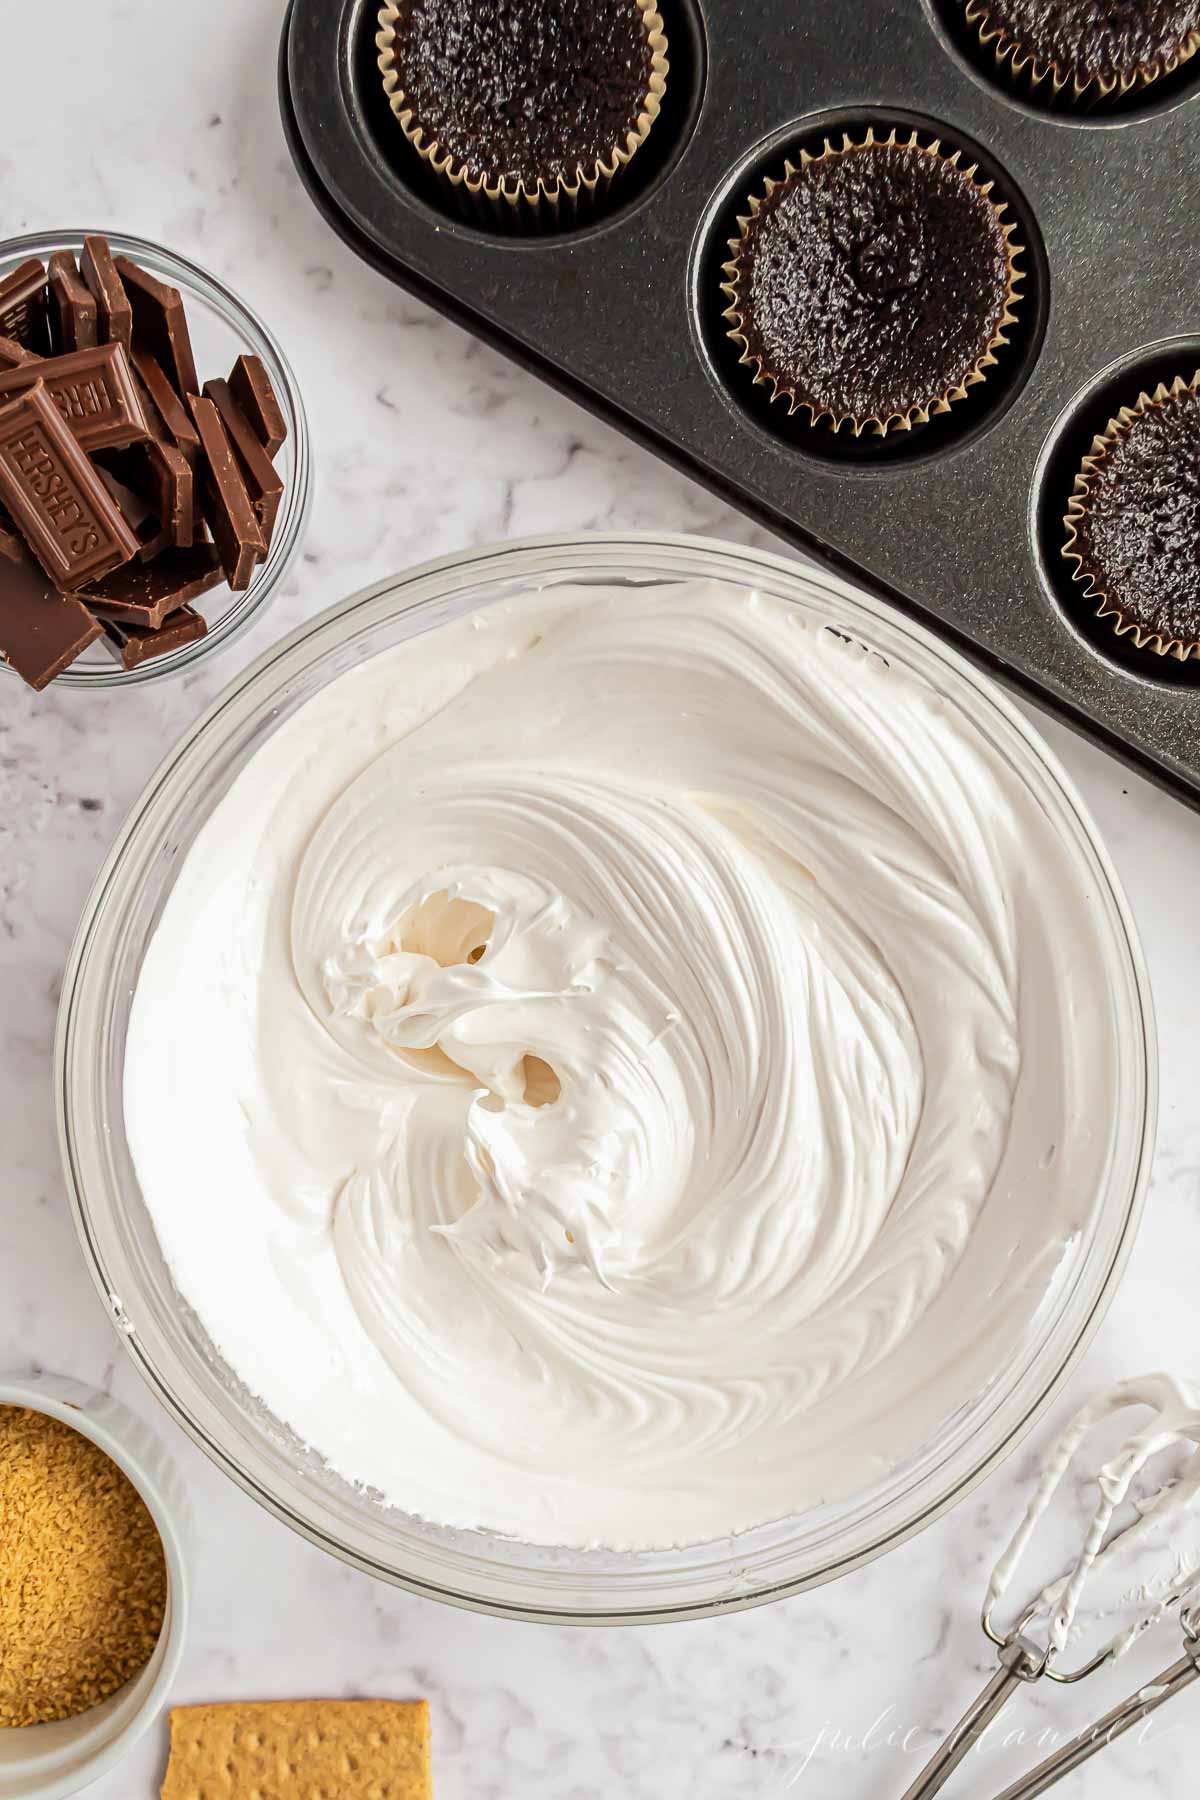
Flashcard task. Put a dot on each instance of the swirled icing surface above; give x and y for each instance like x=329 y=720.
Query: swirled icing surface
x=600 y=1072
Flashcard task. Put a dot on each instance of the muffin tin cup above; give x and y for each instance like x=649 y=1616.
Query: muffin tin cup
x=496 y=202
x=958 y=521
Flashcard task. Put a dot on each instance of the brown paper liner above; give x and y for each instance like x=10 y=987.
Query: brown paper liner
x=1181 y=649
x=1027 y=71
x=516 y=207
x=916 y=415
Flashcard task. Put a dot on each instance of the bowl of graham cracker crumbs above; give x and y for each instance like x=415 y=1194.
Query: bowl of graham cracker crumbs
x=93 y=1590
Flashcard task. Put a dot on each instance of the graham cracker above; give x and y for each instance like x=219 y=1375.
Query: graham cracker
x=300 y=1750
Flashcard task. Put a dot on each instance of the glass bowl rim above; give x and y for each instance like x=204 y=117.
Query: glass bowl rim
x=561 y=553
x=297 y=497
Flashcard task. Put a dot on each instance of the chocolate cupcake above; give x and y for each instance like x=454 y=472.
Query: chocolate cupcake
x=1133 y=522
x=873 y=284
x=1088 y=50
x=523 y=105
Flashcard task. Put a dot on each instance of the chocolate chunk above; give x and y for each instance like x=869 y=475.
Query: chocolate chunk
x=147 y=594
x=16 y=356
x=251 y=388
x=41 y=629
x=160 y=324
x=133 y=644
x=226 y=502
x=173 y=414
x=114 y=315
x=23 y=305
x=263 y=485
x=162 y=477
x=72 y=304
x=92 y=389
x=57 y=499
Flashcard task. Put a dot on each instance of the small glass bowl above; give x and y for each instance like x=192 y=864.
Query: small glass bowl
x=222 y=327
x=48 y=1762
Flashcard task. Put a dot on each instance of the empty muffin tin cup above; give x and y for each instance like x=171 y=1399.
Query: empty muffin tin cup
x=47 y=1762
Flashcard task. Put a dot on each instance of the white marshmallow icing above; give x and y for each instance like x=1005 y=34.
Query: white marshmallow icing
x=621 y=1068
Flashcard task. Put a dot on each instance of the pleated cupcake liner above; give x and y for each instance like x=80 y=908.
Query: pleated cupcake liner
x=780 y=388
x=1029 y=71
x=1077 y=509
x=496 y=201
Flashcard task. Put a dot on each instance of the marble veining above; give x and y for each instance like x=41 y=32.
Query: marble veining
x=425 y=442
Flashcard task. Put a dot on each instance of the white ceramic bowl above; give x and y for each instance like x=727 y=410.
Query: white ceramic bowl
x=46 y=1762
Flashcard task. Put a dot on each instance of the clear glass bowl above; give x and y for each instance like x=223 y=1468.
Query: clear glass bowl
x=222 y=328
x=168 y=1343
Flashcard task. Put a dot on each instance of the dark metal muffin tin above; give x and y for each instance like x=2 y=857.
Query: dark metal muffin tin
x=958 y=522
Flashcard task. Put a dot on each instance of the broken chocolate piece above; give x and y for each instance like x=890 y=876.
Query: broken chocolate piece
x=133 y=644
x=263 y=484
x=162 y=477
x=225 y=499
x=16 y=356
x=92 y=389
x=172 y=413
x=147 y=594
x=23 y=305
x=41 y=629
x=251 y=388
x=160 y=324
x=57 y=499
x=114 y=315
x=72 y=305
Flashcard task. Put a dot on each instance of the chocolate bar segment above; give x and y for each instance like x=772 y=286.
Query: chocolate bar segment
x=72 y=305
x=263 y=484
x=92 y=389
x=147 y=594
x=114 y=315
x=23 y=303
x=226 y=502
x=173 y=414
x=162 y=478
x=251 y=388
x=16 y=356
x=56 y=498
x=41 y=630
x=133 y=644
x=160 y=324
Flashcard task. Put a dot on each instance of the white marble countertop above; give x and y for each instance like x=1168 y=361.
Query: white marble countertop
x=162 y=121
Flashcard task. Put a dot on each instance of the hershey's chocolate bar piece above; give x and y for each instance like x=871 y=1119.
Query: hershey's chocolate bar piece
x=16 y=356
x=114 y=315
x=160 y=324
x=92 y=389
x=251 y=388
x=41 y=629
x=56 y=498
x=173 y=414
x=227 y=507
x=133 y=644
x=162 y=477
x=23 y=304
x=147 y=594
x=263 y=484
x=72 y=305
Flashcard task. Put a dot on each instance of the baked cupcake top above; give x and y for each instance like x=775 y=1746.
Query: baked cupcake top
x=1133 y=527
x=1111 y=43
x=872 y=283
x=522 y=91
